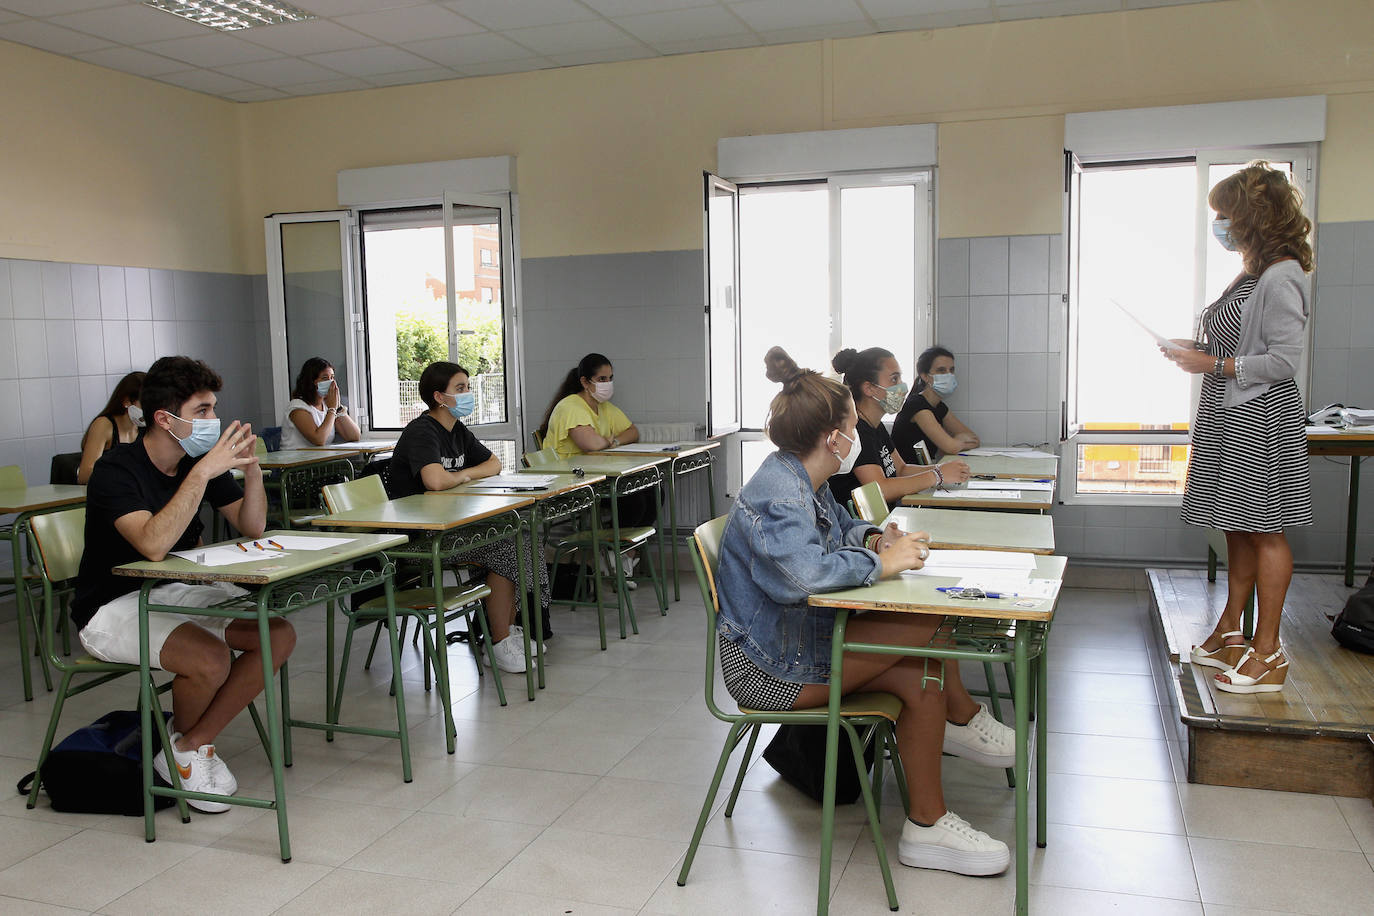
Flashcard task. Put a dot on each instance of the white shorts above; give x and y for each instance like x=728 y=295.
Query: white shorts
x=111 y=635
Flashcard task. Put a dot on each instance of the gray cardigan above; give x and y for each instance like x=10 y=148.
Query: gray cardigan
x=1271 y=332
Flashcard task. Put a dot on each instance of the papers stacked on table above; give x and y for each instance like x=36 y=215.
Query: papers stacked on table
x=1044 y=486
x=975 y=563
x=273 y=548
x=1009 y=452
x=975 y=493
x=513 y=482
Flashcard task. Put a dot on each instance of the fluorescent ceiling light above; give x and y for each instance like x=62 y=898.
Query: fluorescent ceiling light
x=232 y=15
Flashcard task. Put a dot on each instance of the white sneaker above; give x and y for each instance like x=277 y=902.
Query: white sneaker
x=983 y=740
x=519 y=633
x=197 y=775
x=952 y=844
x=510 y=654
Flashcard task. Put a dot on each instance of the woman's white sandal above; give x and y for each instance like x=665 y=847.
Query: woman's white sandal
x=1271 y=681
x=1224 y=657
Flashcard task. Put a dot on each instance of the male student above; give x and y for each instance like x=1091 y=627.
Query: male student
x=143 y=502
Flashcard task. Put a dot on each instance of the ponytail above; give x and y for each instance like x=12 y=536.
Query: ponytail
x=808 y=407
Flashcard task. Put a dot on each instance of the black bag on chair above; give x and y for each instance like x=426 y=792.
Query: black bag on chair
x=1354 y=626
x=797 y=752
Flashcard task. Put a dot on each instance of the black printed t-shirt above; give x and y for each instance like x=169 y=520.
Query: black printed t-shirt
x=875 y=447
x=125 y=480
x=424 y=441
x=906 y=433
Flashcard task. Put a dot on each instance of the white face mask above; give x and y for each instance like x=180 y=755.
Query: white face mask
x=602 y=391
x=135 y=414
x=847 y=462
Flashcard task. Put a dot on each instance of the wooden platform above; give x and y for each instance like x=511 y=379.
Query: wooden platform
x=1313 y=736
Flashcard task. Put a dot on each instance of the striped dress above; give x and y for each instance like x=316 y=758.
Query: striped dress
x=1247 y=468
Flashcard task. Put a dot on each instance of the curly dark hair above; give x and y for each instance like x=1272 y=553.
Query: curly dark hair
x=305 y=382
x=1267 y=222
x=172 y=380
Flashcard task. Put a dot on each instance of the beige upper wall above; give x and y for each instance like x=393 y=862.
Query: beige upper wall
x=102 y=167
x=106 y=168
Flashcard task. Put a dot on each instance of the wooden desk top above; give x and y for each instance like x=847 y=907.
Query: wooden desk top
x=1358 y=441
x=420 y=513
x=969 y=530
x=668 y=450
x=957 y=497
x=600 y=463
x=300 y=457
x=919 y=595
x=257 y=571
x=365 y=446
x=1009 y=468
x=562 y=484
x=41 y=496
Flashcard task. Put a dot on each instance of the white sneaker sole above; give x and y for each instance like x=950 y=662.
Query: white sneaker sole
x=942 y=858
x=204 y=807
x=982 y=758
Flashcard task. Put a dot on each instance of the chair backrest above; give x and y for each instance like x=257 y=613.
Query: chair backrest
x=542 y=458
x=869 y=503
x=538 y=438
x=706 y=562
x=922 y=453
x=61 y=537
x=354 y=494
x=64 y=467
x=11 y=477
x=260 y=449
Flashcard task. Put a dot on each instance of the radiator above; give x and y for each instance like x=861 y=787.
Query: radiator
x=693 y=503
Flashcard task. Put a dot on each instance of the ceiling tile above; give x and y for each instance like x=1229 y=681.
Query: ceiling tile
x=882 y=9
x=463 y=50
x=56 y=7
x=411 y=77
x=50 y=37
x=1007 y=11
x=131 y=25
x=325 y=8
x=211 y=50
x=683 y=25
x=413 y=23
x=939 y=20
x=509 y=66
x=571 y=37
x=818 y=32
x=206 y=81
x=284 y=71
x=772 y=15
x=347 y=84
x=371 y=61
x=725 y=43
x=132 y=60
x=1145 y=4
x=256 y=95
x=611 y=55
x=633 y=7
x=500 y=15
x=315 y=37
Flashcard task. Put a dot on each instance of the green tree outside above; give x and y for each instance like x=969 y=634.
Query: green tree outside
x=421 y=339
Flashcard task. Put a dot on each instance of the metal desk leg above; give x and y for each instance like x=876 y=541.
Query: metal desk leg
x=1021 y=697
x=441 y=647
x=1042 y=734
x=1352 y=513
x=522 y=604
x=672 y=528
x=21 y=601
x=275 y=739
x=832 y=746
x=537 y=525
x=397 y=682
x=595 y=512
x=331 y=709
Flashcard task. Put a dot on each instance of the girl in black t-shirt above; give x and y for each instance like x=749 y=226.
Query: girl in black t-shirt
x=437 y=452
x=925 y=417
x=876 y=382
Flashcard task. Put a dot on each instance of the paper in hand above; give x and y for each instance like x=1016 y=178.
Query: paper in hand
x=1160 y=339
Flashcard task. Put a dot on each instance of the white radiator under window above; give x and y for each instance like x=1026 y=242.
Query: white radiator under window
x=693 y=503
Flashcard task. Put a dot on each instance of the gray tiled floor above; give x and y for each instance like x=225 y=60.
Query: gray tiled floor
x=583 y=802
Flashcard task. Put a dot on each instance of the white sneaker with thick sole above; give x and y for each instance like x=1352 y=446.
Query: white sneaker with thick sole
x=519 y=633
x=197 y=775
x=983 y=740
x=510 y=654
x=952 y=844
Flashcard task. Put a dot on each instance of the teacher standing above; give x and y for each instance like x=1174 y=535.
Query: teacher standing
x=1247 y=469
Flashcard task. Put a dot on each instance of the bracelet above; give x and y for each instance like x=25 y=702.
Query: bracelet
x=1219 y=368
x=871 y=541
x=939 y=478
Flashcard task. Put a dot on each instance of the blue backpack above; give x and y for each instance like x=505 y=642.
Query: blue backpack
x=98 y=769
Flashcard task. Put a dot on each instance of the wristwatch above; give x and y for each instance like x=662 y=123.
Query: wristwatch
x=615 y=442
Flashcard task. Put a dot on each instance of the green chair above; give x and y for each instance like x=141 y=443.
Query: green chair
x=464 y=601
x=58 y=539
x=875 y=712
x=542 y=458
x=12 y=478
x=538 y=438
x=869 y=503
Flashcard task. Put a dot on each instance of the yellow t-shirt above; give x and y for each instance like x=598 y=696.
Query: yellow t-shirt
x=572 y=412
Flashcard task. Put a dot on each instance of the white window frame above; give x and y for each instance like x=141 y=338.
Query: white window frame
x=1304 y=157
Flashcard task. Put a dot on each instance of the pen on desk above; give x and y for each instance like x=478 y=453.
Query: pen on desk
x=275 y=544
x=259 y=546
x=241 y=547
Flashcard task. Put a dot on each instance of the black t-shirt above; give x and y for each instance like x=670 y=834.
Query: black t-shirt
x=425 y=441
x=905 y=432
x=125 y=480
x=875 y=447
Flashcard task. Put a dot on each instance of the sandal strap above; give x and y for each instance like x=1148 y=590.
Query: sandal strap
x=1267 y=662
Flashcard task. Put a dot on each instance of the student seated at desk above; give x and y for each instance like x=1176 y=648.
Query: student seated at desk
x=437 y=452
x=786 y=539
x=875 y=380
x=316 y=414
x=581 y=418
x=925 y=417
x=142 y=503
x=118 y=423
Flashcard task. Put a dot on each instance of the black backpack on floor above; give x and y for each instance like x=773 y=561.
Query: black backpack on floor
x=797 y=752
x=1354 y=626
x=99 y=769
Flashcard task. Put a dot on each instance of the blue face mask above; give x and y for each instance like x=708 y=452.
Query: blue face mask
x=323 y=387
x=1221 y=231
x=463 y=404
x=204 y=435
x=944 y=384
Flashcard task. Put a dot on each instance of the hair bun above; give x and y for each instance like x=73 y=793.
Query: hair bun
x=780 y=367
x=844 y=360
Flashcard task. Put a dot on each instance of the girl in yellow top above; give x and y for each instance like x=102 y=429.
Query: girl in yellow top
x=581 y=418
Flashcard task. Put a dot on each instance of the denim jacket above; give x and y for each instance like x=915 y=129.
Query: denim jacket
x=783 y=542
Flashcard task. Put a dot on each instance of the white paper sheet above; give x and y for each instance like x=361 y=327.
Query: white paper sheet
x=654 y=446
x=513 y=482
x=1008 y=452
x=1036 y=485
x=984 y=559
x=971 y=573
x=1160 y=339
x=976 y=494
x=298 y=542
x=226 y=555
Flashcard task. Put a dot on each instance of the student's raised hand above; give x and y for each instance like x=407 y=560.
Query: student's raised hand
x=332 y=399
x=229 y=452
x=955 y=471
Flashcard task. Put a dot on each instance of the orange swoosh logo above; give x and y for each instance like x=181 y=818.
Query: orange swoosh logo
x=185 y=771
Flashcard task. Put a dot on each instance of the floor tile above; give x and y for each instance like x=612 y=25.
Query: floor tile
x=1097 y=755
x=13 y=906
x=790 y=824
x=21 y=838
x=1121 y=804
x=1117 y=861
x=567 y=750
x=639 y=808
x=323 y=831
x=346 y=892
x=512 y=794
x=1257 y=816
x=920 y=890
x=465 y=851
x=377 y=780
x=1284 y=878
x=1117 y=720
x=1048 y=899
x=680 y=760
x=726 y=880
x=590 y=867
x=492 y=902
x=1106 y=688
x=236 y=882
x=88 y=870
